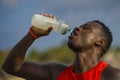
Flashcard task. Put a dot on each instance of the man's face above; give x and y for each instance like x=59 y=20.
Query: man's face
x=85 y=36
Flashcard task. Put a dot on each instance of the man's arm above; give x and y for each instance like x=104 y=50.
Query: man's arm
x=111 y=73
x=15 y=64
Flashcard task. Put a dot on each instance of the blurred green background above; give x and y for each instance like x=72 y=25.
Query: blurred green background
x=57 y=54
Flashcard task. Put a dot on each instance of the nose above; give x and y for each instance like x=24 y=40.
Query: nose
x=77 y=29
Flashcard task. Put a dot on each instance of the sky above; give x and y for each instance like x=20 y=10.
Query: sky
x=16 y=15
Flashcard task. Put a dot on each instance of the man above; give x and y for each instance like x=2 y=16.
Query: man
x=89 y=42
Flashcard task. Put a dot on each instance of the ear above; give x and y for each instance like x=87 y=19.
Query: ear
x=100 y=43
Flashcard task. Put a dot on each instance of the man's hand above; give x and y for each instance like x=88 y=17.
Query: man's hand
x=40 y=32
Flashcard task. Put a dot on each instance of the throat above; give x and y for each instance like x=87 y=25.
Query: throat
x=84 y=62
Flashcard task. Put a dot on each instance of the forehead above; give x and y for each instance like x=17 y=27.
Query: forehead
x=95 y=25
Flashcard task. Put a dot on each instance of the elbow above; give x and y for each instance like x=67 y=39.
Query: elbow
x=4 y=68
x=8 y=69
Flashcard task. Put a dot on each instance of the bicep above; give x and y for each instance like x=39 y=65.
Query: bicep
x=34 y=71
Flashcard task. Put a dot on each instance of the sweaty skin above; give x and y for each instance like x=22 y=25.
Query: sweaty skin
x=87 y=41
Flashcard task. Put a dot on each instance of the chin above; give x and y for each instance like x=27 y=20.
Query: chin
x=72 y=46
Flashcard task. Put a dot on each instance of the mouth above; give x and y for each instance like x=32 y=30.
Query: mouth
x=70 y=37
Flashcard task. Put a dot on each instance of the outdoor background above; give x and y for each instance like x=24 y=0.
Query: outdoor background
x=15 y=21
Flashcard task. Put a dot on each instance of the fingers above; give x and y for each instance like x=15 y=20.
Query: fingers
x=49 y=15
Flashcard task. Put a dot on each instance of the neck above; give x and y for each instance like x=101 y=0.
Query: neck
x=84 y=61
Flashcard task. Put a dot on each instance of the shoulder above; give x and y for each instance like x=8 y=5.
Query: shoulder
x=56 y=65
x=111 y=73
x=56 y=68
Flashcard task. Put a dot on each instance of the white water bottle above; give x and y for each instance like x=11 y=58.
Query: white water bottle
x=44 y=22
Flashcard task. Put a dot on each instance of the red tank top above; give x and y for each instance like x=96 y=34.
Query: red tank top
x=93 y=74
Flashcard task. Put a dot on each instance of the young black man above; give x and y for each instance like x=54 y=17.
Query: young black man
x=90 y=41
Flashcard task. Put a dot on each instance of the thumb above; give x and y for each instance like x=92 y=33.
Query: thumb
x=50 y=28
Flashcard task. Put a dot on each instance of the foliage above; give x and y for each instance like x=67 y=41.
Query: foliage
x=61 y=54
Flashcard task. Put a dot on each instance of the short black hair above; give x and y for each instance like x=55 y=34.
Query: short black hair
x=108 y=35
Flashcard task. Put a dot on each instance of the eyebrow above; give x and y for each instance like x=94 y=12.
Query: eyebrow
x=88 y=24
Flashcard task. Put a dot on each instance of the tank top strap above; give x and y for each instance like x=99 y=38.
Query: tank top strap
x=102 y=65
